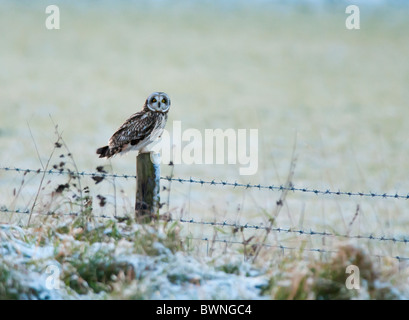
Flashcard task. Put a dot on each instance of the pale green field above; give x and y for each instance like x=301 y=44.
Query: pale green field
x=295 y=75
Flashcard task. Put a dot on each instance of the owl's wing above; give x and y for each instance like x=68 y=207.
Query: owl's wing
x=134 y=130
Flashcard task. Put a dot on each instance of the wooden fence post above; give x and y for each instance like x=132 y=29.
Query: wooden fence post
x=147 y=188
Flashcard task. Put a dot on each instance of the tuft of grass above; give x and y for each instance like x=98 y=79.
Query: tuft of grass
x=326 y=280
x=95 y=272
x=230 y=268
x=10 y=288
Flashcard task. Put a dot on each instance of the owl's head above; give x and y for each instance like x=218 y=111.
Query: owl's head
x=158 y=102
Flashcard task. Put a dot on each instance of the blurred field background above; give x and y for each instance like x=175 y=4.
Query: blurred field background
x=293 y=71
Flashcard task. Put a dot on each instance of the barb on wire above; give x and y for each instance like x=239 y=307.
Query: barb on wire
x=384 y=195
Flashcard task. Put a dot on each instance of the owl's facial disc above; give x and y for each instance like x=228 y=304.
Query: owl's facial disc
x=159 y=102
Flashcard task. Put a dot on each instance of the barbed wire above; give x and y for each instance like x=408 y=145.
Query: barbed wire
x=283 y=248
x=4 y=209
x=238 y=226
x=213 y=182
x=295 y=231
x=235 y=226
x=277 y=246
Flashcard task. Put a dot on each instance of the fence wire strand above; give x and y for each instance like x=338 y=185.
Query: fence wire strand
x=294 y=230
x=236 y=226
x=243 y=243
x=4 y=209
x=283 y=248
x=213 y=182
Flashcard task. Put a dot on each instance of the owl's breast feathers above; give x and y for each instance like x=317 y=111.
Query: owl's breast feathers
x=141 y=129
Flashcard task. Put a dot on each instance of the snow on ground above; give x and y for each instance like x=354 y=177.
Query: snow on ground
x=73 y=259
x=27 y=270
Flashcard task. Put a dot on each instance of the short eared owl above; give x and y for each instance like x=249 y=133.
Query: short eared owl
x=141 y=129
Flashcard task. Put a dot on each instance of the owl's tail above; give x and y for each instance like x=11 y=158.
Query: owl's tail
x=104 y=152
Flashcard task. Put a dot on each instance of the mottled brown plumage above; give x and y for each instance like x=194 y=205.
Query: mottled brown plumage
x=141 y=129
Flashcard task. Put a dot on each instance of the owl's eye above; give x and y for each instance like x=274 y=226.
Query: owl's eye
x=154 y=100
x=163 y=101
